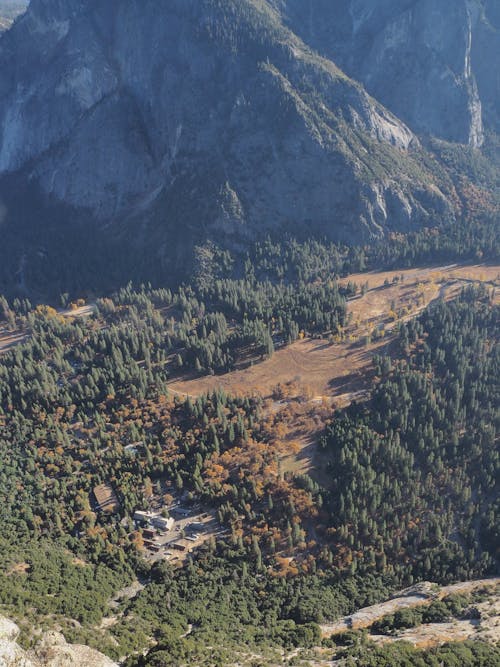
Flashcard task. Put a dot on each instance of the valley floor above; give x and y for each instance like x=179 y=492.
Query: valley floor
x=339 y=372
x=316 y=373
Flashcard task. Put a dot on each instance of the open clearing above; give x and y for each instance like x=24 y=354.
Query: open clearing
x=317 y=374
x=338 y=372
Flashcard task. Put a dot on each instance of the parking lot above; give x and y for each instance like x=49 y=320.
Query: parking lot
x=192 y=528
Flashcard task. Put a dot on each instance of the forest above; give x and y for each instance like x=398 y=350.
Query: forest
x=412 y=473
x=249 y=332
x=52 y=257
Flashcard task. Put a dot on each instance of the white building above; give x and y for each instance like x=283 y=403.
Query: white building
x=162 y=523
x=155 y=519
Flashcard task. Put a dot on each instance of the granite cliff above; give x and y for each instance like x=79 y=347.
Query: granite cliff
x=199 y=119
x=431 y=63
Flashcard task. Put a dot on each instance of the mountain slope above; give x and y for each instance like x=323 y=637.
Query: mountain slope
x=213 y=110
x=431 y=63
x=224 y=120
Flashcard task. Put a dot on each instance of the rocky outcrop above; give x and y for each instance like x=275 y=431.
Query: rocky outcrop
x=10 y=653
x=211 y=116
x=51 y=651
x=9 y=11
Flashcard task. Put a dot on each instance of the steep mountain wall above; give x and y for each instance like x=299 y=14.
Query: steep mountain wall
x=210 y=114
x=432 y=63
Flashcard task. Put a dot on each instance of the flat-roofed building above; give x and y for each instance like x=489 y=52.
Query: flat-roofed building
x=142 y=517
x=196 y=525
x=162 y=523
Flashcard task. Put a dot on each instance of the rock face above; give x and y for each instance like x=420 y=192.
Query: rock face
x=431 y=63
x=214 y=114
x=9 y=10
x=51 y=651
x=10 y=653
x=485 y=50
x=191 y=120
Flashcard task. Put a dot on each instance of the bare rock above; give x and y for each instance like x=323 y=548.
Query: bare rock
x=212 y=116
x=51 y=651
